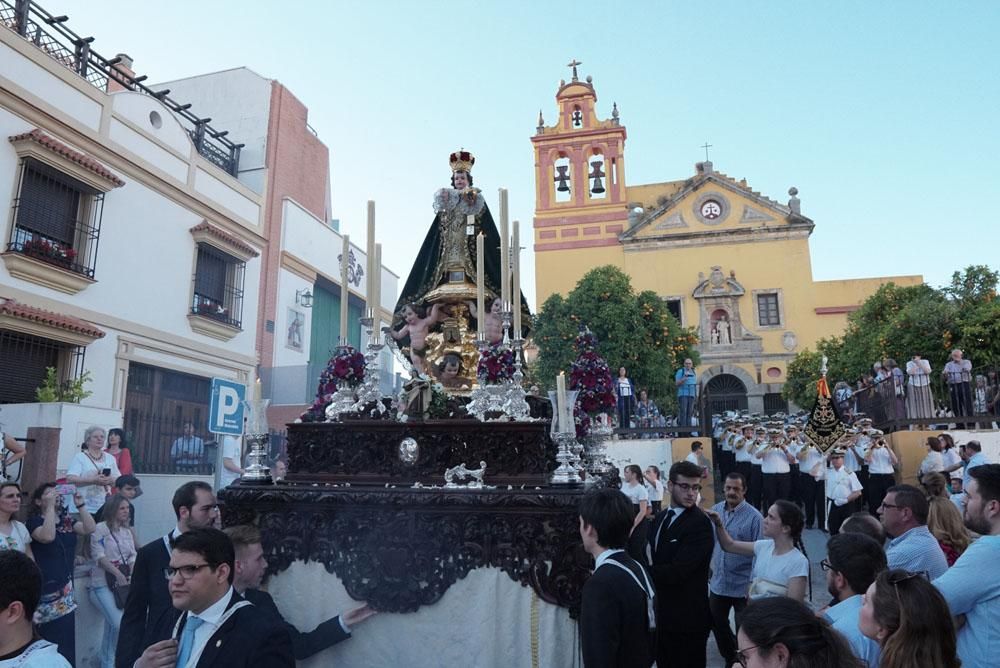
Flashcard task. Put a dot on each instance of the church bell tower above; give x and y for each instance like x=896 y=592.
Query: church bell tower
x=580 y=196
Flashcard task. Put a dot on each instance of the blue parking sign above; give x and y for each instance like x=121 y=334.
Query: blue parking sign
x=225 y=411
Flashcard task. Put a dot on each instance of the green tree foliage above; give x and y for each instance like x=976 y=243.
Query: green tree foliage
x=634 y=330
x=898 y=322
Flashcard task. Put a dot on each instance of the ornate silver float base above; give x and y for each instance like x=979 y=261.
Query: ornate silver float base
x=566 y=473
x=342 y=401
x=256 y=471
x=369 y=391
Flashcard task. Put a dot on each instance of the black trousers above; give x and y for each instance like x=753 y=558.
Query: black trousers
x=862 y=474
x=875 y=490
x=725 y=637
x=743 y=468
x=776 y=486
x=794 y=494
x=756 y=486
x=837 y=515
x=814 y=497
x=727 y=463
x=681 y=650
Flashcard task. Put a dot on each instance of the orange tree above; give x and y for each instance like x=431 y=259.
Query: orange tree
x=634 y=330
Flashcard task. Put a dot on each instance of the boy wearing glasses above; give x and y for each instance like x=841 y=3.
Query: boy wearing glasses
x=680 y=552
x=218 y=627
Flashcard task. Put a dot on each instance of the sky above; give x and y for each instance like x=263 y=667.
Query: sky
x=883 y=115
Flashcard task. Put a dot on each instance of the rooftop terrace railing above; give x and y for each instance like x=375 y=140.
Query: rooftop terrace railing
x=51 y=35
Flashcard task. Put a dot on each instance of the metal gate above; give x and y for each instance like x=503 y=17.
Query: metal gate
x=725 y=392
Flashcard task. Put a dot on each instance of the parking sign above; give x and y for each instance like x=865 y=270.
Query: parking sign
x=225 y=411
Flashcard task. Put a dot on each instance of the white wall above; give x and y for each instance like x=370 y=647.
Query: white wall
x=237 y=100
x=73 y=419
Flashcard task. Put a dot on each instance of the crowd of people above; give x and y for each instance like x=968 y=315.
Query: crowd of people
x=913 y=392
x=901 y=564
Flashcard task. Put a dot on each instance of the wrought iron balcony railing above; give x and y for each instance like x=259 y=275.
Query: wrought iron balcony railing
x=51 y=35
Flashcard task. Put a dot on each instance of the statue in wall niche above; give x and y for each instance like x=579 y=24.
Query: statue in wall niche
x=715 y=335
x=725 y=334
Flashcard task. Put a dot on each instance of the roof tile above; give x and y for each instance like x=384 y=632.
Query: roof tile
x=81 y=159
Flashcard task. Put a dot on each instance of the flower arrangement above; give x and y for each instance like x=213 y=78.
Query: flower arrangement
x=347 y=365
x=591 y=376
x=49 y=250
x=496 y=364
x=208 y=306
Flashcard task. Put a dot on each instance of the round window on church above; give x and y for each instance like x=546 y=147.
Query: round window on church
x=774 y=372
x=711 y=208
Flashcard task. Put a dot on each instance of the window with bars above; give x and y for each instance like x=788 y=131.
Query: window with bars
x=57 y=219
x=218 y=286
x=768 y=313
x=24 y=360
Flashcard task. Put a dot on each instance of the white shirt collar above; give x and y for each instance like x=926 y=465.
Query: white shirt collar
x=213 y=613
x=604 y=556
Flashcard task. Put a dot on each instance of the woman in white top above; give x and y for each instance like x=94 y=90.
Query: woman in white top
x=87 y=470
x=635 y=490
x=114 y=553
x=13 y=534
x=933 y=462
x=780 y=565
x=919 y=403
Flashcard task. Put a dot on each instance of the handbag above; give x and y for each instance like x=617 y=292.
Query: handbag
x=119 y=591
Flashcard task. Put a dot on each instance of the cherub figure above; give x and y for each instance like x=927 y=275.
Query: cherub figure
x=417 y=327
x=494 y=322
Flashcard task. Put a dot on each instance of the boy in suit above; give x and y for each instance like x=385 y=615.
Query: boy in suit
x=680 y=552
x=218 y=628
x=250 y=568
x=617 y=620
x=149 y=615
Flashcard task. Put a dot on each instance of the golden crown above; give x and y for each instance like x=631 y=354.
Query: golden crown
x=461 y=161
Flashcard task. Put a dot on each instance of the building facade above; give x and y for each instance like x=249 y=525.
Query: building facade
x=284 y=160
x=131 y=252
x=728 y=261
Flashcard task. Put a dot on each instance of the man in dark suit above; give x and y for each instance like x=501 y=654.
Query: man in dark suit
x=149 y=614
x=250 y=568
x=617 y=622
x=218 y=628
x=680 y=552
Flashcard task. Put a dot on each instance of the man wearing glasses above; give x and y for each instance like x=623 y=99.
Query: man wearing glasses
x=853 y=560
x=149 y=612
x=680 y=553
x=911 y=545
x=218 y=627
x=971 y=586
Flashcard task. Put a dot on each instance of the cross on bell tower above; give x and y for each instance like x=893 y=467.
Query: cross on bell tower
x=574 y=63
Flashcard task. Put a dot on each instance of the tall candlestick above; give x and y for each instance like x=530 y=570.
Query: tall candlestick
x=377 y=280
x=370 y=256
x=560 y=412
x=344 y=259
x=516 y=280
x=504 y=250
x=256 y=389
x=480 y=289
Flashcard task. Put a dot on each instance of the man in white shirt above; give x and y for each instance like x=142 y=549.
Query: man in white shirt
x=775 y=468
x=842 y=490
x=218 y=628
x=188 y=450
x=20 y=590
x=232 y=460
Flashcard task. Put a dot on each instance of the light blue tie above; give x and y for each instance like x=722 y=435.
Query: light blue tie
x=187 y=640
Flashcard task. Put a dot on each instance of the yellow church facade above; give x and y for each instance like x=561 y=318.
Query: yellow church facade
x=729 y=261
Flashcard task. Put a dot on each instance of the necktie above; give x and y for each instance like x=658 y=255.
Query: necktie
x=187 y=640
x=650 y=549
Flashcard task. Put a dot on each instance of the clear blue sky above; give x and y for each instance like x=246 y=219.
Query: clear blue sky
x=883 y=114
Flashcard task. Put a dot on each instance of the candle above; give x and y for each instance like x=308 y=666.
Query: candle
x=480 y=289
x=344 y=258
x=504 y=250
x=370 y=257
x=516 y=280
x=560 y=412
x=377 y=282
x=256 y=389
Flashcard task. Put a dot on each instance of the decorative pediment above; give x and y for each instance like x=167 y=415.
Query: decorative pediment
x=718 y=285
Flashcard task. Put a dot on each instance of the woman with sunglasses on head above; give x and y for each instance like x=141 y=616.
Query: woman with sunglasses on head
x=780 y=565
x=782 y=633
x=907 y=616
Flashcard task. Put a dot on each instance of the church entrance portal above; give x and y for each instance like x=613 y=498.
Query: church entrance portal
x=725 y=392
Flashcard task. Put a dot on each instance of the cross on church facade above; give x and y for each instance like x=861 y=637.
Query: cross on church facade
x=574 y=63
x=706 y=146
